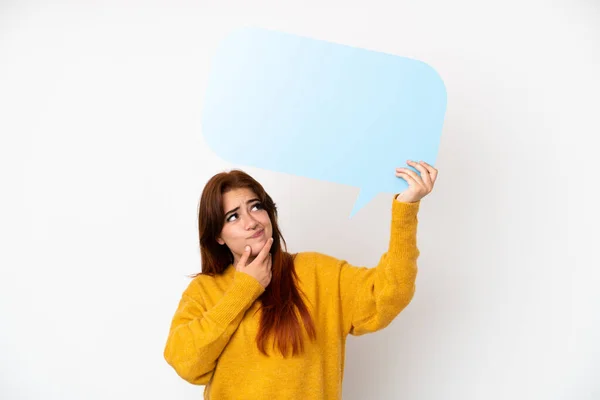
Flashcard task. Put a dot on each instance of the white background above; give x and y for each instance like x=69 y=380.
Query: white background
x=103 y=162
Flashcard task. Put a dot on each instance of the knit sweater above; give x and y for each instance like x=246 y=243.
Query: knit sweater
x=212 y=336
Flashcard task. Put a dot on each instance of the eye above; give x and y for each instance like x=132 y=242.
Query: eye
x=229 y=218
x=257 y=205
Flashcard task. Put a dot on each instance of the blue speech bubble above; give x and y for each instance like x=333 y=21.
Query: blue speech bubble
x=322 y=110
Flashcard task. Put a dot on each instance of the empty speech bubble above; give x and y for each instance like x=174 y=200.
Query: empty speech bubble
x=322 y=110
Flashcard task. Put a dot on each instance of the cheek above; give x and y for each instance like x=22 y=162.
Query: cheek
x=228 y=236
x=265 y=222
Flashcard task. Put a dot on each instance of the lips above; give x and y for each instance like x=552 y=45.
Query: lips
x=257 y=234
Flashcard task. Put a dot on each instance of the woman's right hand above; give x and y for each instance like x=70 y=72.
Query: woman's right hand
x=260 y=267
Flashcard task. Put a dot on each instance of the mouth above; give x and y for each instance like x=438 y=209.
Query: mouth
x=257 y=234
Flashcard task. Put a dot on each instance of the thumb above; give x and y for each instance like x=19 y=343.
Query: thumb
x=244 y=258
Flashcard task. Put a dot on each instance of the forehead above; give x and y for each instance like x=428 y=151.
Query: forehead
x=237 y=197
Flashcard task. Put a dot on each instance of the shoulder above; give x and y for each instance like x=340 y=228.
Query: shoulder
x=311 y=257
x=200 y=280
x=202 y=284
x=317 y=263
x=207 y=290
x=194 y=287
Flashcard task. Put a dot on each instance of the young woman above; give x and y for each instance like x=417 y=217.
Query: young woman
x=261 y=323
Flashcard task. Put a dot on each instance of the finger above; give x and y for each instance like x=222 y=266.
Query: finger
x=415 y=178
x=265 y=250
x=245 y=256
x=432 y=171
x=407 y=178
x=424 y=174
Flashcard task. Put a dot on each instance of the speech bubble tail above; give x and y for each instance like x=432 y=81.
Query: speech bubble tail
x=364 y=197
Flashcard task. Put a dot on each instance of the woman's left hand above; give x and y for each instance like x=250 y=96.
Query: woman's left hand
x=418 y=186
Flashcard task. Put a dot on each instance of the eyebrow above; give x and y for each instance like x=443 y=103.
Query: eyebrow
x=237 y=208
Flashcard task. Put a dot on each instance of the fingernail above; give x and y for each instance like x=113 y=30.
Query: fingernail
x=247 y=248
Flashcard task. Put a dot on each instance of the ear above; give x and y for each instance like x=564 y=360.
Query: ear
x=220 y=241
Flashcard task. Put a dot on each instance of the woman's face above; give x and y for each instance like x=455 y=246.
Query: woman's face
x=245 y=217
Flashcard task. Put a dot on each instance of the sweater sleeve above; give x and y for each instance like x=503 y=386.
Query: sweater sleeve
x=198 y=335
x=372 y=297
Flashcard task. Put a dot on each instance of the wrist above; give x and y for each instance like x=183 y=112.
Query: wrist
x=401 y=199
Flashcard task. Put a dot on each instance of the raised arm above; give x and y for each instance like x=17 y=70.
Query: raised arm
x=372 y=297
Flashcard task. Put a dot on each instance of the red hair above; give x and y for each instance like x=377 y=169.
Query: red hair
x=281 y=298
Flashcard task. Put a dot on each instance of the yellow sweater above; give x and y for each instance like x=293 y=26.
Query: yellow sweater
x=212 y=336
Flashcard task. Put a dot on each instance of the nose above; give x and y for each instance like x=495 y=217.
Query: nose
x=250 y=223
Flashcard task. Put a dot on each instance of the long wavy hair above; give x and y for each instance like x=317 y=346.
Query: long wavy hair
x=281 y=298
